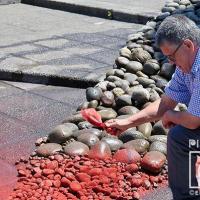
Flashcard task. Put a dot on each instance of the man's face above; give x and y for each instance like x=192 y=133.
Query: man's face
x=179 y=54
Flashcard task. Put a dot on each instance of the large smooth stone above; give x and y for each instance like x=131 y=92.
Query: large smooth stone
x=159 y=146
x=140 y=55
x=88 y=138
x=135 y=36
x=127 y=156
x=124 y=84
x=113 y=78
x=159 y=129
x=153 y=95
x=140 y=145
x=61 y=133
x=48 y=149
x=161 y=138
x=93 y=131
x=145 y=82
x=111 y=85
x=93 y=104
x=131 y=78
x=102 y=85
x=125 y=52
x=121 y=61
x=140 y=96
x=93 y=93
x=107 y=98
x=160 y=81
x=130 y=134
x=119 y=73
x=141 y=74
x=76 y=148
x=76 y=118
x=167 y=70
x=100 y=150
x=83 y=105
x=151 y=67
x=145 y=129
x=113 y=143
x=107 y=114
x=127 y=110
x=153 y=161
x=133 y=66
x=124 y=100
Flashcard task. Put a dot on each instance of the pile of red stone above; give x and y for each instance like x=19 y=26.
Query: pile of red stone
x=62 y=177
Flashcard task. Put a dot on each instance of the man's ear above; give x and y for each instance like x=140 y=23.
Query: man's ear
x=189 y=44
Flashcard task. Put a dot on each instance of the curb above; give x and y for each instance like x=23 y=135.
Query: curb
x=47 y=80
x=92 y=11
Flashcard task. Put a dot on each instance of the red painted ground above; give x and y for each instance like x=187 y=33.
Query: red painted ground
x=8 y=179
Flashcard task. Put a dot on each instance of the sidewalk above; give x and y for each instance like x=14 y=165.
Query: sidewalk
x=46 y=46
x=136 y=11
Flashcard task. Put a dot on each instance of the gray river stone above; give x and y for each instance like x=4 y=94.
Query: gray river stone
x=153 y=95
x=131 y=89
x=124 y=84
x=124 y=100
x=110 y=72
x=111 y=86
x=130 y=134
x=167 y=70
x=93 y=131
x=93 y=104
x=145 y=129
x=168 y=9
x=93 y=93
x=113 y=78
x=89 y=139
x=125 y=52
x=119 y=73
x=161 y=138
x=121 y=61
x=159 y=146
x=113 y=143
x=149 y=49
x=140 y=145
x=141 y=74
x=151 y=67
x=107 y=98
x=140 y=96
x=127 y=110
x=76 y=148
x=135 y=36
x=160 y=81
x=61 y=133
x=162 y=16
x=102 y=85
x=145 y=82
x=158 y=129
x=107 y=114
x=133 y=66
x=118 y=91
x=84 y=125
x=131 y=45
x=48 y=149
x=140 y=55
x=76 y=118
x=123 y=116
x=131 y=78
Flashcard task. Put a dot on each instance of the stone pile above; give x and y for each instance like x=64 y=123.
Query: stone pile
x=138 y=78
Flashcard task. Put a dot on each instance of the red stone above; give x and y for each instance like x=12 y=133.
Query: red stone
x=132 y=168
x=57 y=183
x=65 y=182
x=52 y=164
x=95 y=171
x=83 y=177
x=75 y=186
x=127 y=156
x=47 y=171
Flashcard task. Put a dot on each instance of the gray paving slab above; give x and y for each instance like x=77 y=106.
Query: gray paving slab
x=137 y=11
x=29 y=111
x=45 y=46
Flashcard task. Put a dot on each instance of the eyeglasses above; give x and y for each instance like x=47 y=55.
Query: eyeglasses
x=172 y=56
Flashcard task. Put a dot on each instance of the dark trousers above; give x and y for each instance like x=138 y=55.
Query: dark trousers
x=180 y=142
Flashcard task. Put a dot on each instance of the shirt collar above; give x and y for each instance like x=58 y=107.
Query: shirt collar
x=196 y=64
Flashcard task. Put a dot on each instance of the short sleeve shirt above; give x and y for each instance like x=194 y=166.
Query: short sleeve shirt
x=185 y=88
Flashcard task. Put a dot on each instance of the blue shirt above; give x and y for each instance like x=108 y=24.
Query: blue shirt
x=185 y=88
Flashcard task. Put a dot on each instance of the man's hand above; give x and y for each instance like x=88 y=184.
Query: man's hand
x=120 y=124
x=167 y=120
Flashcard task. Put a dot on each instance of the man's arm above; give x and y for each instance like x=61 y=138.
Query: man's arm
x=182 y=118
x=151 y=113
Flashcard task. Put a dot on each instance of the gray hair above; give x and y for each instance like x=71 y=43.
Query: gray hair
x=177 y=28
